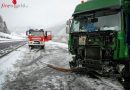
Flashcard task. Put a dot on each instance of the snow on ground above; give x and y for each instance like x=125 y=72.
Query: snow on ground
x=6 y=63
x=16 y=36
x=63 y=45
x=4 y=39
x=7 y=47
x=10 y=37
x=31 y=73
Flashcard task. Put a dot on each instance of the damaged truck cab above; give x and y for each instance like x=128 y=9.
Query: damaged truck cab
x=99 y=37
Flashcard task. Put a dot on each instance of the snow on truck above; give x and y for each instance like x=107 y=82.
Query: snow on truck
x=38 y=37
x=99 y=37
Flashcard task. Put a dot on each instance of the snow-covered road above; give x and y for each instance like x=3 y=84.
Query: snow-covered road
x=24 y=69
x=6 y=47
x=7 y=63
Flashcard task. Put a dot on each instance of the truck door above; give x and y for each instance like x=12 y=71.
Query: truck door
x=49 y=35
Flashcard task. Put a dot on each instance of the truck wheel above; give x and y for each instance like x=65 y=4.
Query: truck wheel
x=126 y=76
x=30 y=46
x=43 y=47
x=127 y=72
x=73 y=63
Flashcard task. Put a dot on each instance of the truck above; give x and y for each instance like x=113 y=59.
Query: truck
x=37 y=38
x=99 y=37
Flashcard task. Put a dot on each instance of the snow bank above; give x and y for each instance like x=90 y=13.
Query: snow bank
x=7 y=63
x=63 y=45
x=9 y=37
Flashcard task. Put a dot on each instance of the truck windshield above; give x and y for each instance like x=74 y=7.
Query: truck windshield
x=36 y=33
x=99 y=21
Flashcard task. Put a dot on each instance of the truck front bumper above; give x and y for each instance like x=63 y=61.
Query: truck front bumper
x=36 y=43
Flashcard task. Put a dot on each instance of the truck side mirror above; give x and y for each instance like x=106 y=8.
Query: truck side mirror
x=27 y=32
x=67 y=29
x=46 y=34
x=68 y=22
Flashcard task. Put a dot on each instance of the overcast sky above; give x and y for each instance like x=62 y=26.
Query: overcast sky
x=44 y=13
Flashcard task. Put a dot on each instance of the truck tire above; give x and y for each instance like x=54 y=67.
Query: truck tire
x=43 y=47
x=31 y=47
x=73 y=63
x=126 y=76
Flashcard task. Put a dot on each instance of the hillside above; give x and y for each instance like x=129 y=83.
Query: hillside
x=3 y=26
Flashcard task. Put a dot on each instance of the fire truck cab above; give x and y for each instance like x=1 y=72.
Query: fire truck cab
x=37 y=38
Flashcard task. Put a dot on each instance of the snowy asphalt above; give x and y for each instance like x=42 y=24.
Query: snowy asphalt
x=8 y=46
x=28 y=71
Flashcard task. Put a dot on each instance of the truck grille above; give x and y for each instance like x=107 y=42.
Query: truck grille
x=93 y=53
x=36 y=42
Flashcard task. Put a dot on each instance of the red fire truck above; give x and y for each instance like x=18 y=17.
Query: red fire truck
x=37 y=38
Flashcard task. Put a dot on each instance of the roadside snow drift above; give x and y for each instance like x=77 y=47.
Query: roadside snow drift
x=9 y=37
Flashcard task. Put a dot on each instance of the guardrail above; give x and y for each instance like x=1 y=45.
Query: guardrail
x=6 y=51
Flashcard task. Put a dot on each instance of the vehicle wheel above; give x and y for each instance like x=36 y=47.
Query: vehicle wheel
x=127 y=72
x=43 y=47
x=73 y=63
x=30 y=46
x=126 y=76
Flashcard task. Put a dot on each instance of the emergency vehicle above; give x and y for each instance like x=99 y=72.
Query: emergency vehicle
x=37 y=38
